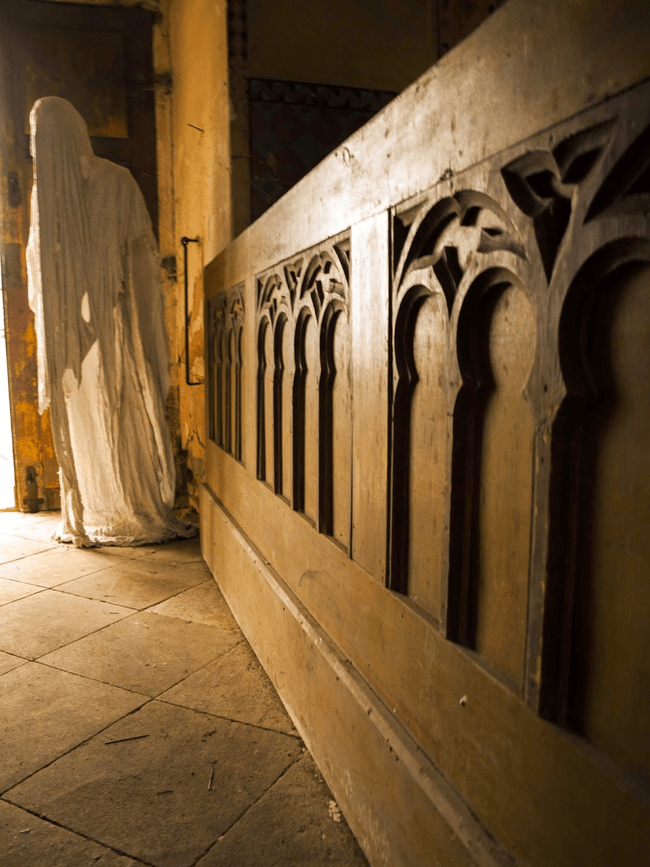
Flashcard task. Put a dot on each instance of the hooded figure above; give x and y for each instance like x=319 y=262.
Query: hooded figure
x=94 y=287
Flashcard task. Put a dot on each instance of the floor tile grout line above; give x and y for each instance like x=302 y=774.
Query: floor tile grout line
x=86 y=575
x=41 y=661
x=70 y=643
x=28 y=537
x=249 y=808
x=133 y=712
x=37 y=589
x=262 y=728
x=159 y=697
x=60 y=589
x=133 y=612
x=25 y=556
x=56 y=824
x=3 y=794
x=88 y=677
x=57 y=586
x=105 y=568
x=149 y=700
x=180 y=593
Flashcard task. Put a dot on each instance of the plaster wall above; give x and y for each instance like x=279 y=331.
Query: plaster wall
x=193 y=41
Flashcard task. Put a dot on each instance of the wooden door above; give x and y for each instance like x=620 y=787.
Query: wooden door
x=100 y=59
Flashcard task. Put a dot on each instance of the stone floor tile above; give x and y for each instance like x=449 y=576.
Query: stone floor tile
x=39 y=529
x=201 y=604
x=234 y=686
x=38 y=624
x=175 y=553
x=28 y=841
x=57 y=565
x=19 y=523
x=295 y=823
x=8 y=662
x=147 y=653
x=122 y=552
x=12 y=590
x=136 y=583
x=10 y=519
x=15 y=548
x=45 y=712
x=166 y=796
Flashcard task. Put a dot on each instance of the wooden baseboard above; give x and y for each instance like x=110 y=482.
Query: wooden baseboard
x=400 y=808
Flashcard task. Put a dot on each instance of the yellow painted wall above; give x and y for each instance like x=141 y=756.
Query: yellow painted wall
x=196 y=42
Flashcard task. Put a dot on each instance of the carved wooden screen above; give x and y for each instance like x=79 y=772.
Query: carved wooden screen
x=446 y=489
x=225 y=328
x=518 y=423
x=520 y=417
x=303 y=385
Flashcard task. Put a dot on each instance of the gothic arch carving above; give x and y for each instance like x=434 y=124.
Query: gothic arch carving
x=552 y=214
x=305 y=303
x=225 y=327
x=492 y=454
x=586 y=357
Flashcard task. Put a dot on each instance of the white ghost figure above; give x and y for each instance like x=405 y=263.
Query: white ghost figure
x=94 y=287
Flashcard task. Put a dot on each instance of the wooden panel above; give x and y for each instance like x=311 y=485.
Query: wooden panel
x=420 y=448
x=370 y=324
x=213 y=343
x=312 y=365
x=428 y=486
x=224 y=390
x=611 y=637
x=232 y=388
x=279 y=341
x=270 y=374
x=341 y=431
x=504 y=264
x=225 y=324
x=557 y=803
x=299 y=398
x=500 y=583
x=381 y=165
x=287 y=415
x=304 y=301
x=457 y=19
x=370 y=763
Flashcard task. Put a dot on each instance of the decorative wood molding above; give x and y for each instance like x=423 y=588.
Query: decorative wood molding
x=542 y=225
x=225 y=329
x=499 y=485
x=303 y=380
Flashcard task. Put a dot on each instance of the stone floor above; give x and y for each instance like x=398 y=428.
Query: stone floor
x=136 y=724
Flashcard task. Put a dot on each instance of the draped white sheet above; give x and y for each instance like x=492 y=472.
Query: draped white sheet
x=94 y=287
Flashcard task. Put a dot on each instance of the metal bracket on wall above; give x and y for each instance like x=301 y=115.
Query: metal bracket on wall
x=185 y=241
